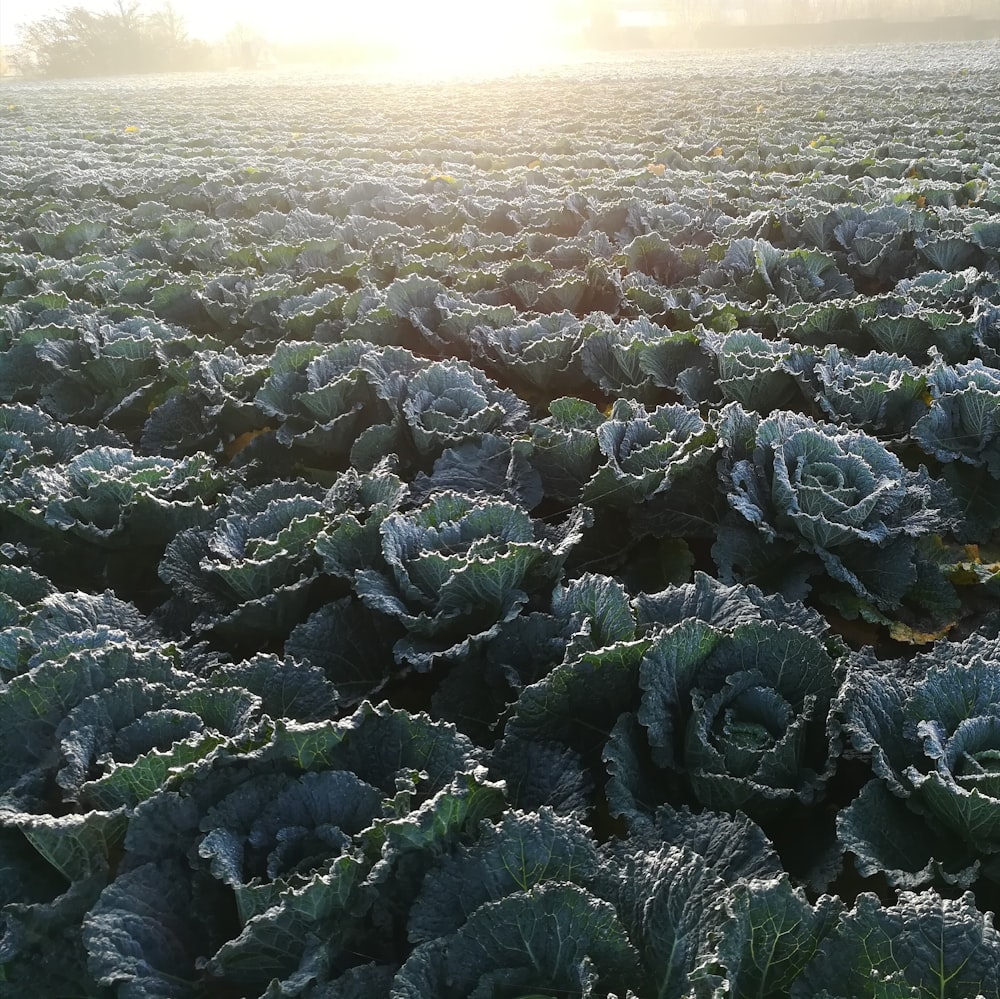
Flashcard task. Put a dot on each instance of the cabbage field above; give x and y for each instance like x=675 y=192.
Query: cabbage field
x=524 y=537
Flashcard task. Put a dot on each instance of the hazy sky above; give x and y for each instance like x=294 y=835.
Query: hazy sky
x=450 y=36
x=441 y=24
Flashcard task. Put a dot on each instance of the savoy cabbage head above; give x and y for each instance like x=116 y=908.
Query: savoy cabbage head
x=962 y=430
x=878 y=392
x=808 y=498
x=758 y=270
x=452 y=570
x=659 y=466
x=110 y=497
x=745 y=714
x=931 y=729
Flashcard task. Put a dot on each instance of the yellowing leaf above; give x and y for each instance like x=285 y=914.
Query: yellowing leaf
x=534 y=164
x=241 y=443
x=904 y=633
x=973 y=569
x=445 y=177
x=656 y=168
x=760 y=109
x=132 y=128
x=717 y=151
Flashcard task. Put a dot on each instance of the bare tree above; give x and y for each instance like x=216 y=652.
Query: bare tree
x=79 y=42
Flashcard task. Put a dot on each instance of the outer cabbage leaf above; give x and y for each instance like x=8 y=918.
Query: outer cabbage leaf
x=612 y=358
x=287 y=689
x=587 y=614
x=923 y=945
x=61 y=614
x=496 y=466
x=771 y=933
x=986 y=235
x=833 y=323
x=897 y=325
x=667 y=899
x=706 y=599
x=886 y=838
x=577 y=703
x=734 y=846
x=146 y=933
x=393 y=749
x=672 y=880
x=683 y=361
x=351 y=644
x=366 y=981
x=541 y=774
x=519 y=852
x=80 y=847
x=565 y=447
x=947 y=253
x=33 y=931
x=551 y=938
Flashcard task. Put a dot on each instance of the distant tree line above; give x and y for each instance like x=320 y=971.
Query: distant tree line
x=606 y=12
x=124 y=39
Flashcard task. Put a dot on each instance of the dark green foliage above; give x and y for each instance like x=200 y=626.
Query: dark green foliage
x=503 y=542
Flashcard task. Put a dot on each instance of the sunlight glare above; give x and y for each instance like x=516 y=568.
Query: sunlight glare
x=449 y=37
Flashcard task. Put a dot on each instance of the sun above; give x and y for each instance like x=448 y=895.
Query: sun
x=449 y=37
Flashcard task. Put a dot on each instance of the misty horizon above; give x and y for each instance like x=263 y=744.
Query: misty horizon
x=521 y=34
x=300 y=20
